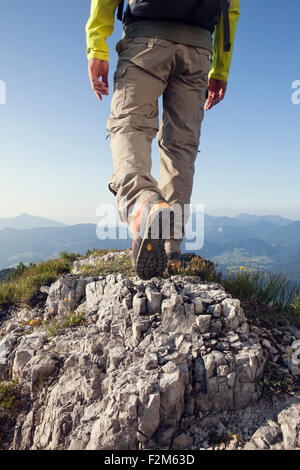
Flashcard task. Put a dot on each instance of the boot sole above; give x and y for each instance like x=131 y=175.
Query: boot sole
x=151 y=260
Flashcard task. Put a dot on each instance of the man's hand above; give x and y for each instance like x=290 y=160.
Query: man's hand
x=216 y=92
x=99 y=68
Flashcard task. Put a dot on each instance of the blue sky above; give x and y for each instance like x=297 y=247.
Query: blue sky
x=56 y=161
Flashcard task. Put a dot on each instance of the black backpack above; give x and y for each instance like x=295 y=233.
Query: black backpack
x=204 y=13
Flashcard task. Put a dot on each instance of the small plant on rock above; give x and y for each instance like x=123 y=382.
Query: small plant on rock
x=73 y=319
x=52 y=327
x=9 y=395
x=275 y=383
x=56 y=325
x=295 y=308
x=197 y=266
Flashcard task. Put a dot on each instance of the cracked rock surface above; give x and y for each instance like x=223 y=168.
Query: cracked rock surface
x=156 y=365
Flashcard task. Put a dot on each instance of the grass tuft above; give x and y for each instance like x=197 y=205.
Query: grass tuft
x=273 y=292
x=265 y=295
x=275 y=383
x=27 y=280
x=9 y=395
x=56 y=325
x=198 y=266
x=114 y=265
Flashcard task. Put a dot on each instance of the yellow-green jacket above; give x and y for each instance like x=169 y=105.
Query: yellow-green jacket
x=101 y=24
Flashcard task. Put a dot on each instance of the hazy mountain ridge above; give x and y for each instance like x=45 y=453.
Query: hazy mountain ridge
x=44 y=243
x=274 y=219
x=272 y=242
x=5 y=274
x=26 y=222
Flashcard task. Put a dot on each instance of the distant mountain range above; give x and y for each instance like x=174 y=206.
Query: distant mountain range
x=271 y=243
x=273 y=219
x=26 y=222
x=47 y=242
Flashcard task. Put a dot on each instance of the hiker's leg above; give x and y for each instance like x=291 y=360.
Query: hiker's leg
x=178 y=140
x=133 y=122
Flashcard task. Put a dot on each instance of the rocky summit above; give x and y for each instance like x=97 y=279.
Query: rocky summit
x=113 y=362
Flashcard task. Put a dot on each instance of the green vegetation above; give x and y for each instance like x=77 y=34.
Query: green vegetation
x=52 y=327
x=96 y=252
x=267 y=289
x=201 y=267
x=5 y=274
x=264 y=296
x=9 y=395
x=269 y=297
x=239 y=256
x=295 y=307
x=274 y=382
x=112 y=266
x=27 y=280
x=73 y=319
x=57 y=325
x=69 y=256
x=270 y=291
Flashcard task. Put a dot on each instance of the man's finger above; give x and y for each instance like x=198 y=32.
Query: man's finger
x=100 y=87
x=98 y=95
x=98 y=75
x=210 y=100
x=222 y=93
x=97 y=91
x=94 y=79
x=105 y=80
x=207 y=105
x=212 y=103
x=215 y=101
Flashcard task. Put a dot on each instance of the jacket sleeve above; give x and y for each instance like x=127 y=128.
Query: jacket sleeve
x=99 y=27
x=222 y=60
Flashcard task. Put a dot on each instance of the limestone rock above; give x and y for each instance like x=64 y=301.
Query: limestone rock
x=6 y=346
x=289 y=420
x=64 y=295
x=150 y=358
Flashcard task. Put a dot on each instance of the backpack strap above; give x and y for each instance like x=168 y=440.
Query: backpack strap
x=120 y=10
x=226 y=26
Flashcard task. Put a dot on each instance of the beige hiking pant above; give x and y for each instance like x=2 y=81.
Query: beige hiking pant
x=148 y=68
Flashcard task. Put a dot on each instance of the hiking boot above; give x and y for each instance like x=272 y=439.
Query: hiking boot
x=152 y=226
